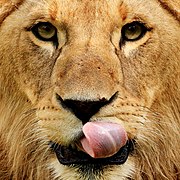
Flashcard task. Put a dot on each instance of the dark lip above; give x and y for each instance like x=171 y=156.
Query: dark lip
x=70 y=156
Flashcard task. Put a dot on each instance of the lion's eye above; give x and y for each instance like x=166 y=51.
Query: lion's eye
x=45 y=31
x=133 y=31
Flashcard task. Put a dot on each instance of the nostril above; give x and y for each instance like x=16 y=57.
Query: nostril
x=84 y=110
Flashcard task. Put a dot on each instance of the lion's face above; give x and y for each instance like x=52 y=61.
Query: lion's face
x=94 y=71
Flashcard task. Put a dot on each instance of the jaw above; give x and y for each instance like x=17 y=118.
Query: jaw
x=92 y=171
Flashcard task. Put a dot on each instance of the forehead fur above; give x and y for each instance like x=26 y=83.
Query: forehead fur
x=173 y=6
x=8 y=6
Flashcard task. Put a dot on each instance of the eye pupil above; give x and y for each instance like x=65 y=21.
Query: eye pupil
x=132 y=28
x=45 y=28
x=46 y=31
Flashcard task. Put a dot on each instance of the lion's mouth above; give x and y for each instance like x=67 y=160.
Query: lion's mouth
x=70 y=156
x=102 y=142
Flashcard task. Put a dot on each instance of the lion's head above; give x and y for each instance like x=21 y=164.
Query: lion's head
x=89 y=89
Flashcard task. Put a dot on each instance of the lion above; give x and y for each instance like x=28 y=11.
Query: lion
x=89 y=90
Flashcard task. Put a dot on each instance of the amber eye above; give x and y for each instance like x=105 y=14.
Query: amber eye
x=133 y=31
x=45 y=31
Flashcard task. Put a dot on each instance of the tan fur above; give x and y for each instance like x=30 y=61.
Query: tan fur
x=89 y=65
x=172 y=6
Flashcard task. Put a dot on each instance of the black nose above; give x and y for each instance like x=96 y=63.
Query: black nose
x=84 y=110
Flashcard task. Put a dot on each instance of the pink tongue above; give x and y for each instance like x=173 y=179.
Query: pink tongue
x=103 y=139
